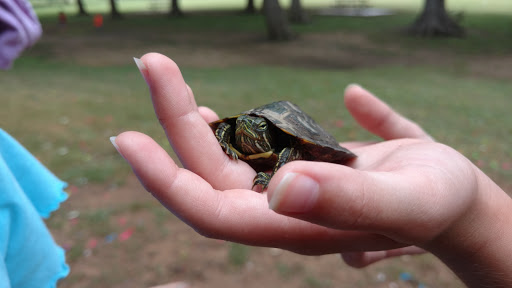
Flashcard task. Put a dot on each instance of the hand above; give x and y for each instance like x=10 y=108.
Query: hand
x=397 y=194
x=212 y=193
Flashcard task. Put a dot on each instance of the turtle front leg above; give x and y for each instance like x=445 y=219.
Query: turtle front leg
x=223 y=132
x=286 y=155
x=262 y=179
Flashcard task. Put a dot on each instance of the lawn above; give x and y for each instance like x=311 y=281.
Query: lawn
x=78 y=86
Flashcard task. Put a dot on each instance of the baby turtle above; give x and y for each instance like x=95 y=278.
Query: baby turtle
x=272 y=135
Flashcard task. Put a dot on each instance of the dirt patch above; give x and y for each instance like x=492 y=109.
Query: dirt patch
x=328 y=50
x=216 y=49
x=492 y=66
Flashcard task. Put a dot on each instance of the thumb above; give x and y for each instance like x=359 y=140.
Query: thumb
x=341 y=197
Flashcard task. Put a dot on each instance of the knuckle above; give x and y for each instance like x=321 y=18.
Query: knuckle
x=361 y=207
x=209 y=226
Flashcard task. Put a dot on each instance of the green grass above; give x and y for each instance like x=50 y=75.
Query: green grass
x=288 y=271
x=469 y=113
x=64 y=112
x=238 y=255
x=314 y=282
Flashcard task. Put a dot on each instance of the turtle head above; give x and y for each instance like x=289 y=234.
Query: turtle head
x=253 y=134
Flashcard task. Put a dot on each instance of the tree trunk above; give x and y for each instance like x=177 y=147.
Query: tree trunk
x=113 y=9
x=250 y=9
x=81 y=8
x=277 y=25
x=175 y=9
x=434 y=21
x=297 y=14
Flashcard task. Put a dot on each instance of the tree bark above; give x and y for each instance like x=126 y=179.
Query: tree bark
x=250 y=9
x=81 y=8
x=434 y=21
x=297 y=14
x=277 y=24
x=113 y=10
x=175 y=9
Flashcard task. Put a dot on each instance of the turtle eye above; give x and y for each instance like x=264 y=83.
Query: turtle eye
x=262 y=126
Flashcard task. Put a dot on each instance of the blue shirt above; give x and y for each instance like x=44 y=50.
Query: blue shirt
x=28 y=191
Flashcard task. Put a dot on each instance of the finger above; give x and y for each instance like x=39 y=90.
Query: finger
x=208 y=114
x=173 y=285
x=341 y=197
x=190 y=136
x=235 y=215
x=378 y=118
x=189 y=90
x=363 y=259
x=354 y=145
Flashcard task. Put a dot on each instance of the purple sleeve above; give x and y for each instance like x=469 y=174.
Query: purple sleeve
x=19 y=29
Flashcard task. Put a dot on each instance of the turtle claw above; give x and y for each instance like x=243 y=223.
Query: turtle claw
x=230 y=152
x=222 y=134
x=262 y=179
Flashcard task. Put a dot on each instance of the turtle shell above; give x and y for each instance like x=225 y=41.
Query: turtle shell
x=294 y=128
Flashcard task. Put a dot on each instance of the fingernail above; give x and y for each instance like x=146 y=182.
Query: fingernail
x=113 y=141
x=352 y=85
x=296 y=193
x=142 y=68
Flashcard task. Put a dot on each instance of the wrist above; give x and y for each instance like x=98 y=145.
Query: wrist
x=477 y=247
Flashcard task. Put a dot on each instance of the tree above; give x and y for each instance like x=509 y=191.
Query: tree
x=277 y=24
x=434 y=21
x=297 y=14
x=250 y=8
x=113 y=9
x=175 y=9
x=81 y=8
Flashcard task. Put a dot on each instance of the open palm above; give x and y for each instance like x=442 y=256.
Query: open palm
x=397 y=193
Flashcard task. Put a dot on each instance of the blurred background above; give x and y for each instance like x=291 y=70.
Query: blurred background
x=448 y=68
